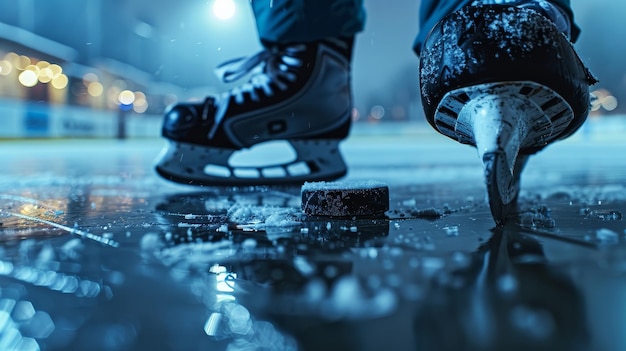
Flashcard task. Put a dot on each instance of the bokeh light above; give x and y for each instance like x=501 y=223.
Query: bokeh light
x=42 y=64
x=60 y=82
x=609 y=103
x=126 y=97
x=5 y=67
x=89 y=78
x=22 y=62
x=603 y=99
x=140 y=104
x=95 y=89
x=46 y=75
x=377 y=112
x=28 y=78
x=56 y=70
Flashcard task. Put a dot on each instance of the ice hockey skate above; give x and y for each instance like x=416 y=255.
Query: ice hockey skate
x=504 y=78
x=299 y=98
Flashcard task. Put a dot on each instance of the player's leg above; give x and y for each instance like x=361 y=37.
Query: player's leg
x=300 y=93
x=503 y=76
x=433 y=11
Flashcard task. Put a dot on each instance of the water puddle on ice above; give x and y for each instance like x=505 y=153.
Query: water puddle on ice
x=253 y=271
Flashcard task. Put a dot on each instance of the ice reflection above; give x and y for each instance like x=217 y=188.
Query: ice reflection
x=348 y=299
x=508 y=296
x=276 y=260
x=353 y=272
x=21 y=325
x=229 y=319
x=51 y=279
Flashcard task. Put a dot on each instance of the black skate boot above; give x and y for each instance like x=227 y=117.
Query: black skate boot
x=300 y=100
x=504 y=78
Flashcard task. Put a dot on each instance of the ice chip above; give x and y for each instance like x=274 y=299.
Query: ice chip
x=409 y=203
x=452 y=230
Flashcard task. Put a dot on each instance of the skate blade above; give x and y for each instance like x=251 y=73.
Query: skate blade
x=506 y=122
x=263 y=164
x=503 y=186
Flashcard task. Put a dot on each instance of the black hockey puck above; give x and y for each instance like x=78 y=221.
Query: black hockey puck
x=345 y=199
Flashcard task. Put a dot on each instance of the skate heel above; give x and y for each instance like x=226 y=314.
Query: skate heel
x=506 y=122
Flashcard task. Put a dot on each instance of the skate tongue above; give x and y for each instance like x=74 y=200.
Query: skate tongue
x=235 y=69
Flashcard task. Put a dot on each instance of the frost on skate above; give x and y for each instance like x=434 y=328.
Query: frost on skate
x=506 y=80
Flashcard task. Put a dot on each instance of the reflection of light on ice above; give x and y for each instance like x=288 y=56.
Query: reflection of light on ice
x=238 y=318
x=348 y=300
x=213 y=324
x=230 y=319
x=21 y=325
x=225 y=279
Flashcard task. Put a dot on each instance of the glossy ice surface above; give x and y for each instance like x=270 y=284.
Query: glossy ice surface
x=98 y=253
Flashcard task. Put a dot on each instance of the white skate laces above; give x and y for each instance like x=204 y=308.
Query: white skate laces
x=273 y=66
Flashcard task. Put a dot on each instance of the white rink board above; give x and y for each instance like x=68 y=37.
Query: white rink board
x=22 y=119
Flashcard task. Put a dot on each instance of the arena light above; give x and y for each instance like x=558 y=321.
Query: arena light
x=224 y=9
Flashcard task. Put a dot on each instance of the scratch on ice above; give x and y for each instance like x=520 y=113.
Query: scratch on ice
x=75 y=231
